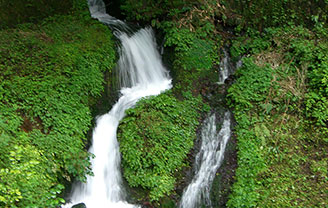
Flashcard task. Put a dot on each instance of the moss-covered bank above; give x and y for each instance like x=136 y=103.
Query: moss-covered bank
x=155 y=138
x=51 y=74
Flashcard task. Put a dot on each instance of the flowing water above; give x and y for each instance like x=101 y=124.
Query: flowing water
x=212 y=149
x=141 y=74
x=226 y=67
x=208 y=160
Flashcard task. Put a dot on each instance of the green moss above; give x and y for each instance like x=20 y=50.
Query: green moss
x=51 y=74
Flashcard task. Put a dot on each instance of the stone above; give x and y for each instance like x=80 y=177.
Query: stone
x=80 y=205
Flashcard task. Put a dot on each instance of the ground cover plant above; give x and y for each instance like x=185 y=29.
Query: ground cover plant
x=278 y=100
x=155 y=138
x=51 y=75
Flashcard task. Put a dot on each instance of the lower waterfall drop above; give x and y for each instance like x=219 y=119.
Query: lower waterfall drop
x=211 y=154
x=208 y=160
x=141 y=74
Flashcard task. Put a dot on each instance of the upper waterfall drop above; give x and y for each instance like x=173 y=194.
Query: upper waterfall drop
x=136 y=63
x=141 y=74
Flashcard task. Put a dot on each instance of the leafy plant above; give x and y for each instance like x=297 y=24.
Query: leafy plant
x=155 y=138
x=252 y=86
x=51 y=75
x=281 y=131
x=250 y=89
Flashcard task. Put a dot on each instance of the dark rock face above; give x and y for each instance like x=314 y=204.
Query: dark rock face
x=80 y=205
x=113 y=8
x=221 y=187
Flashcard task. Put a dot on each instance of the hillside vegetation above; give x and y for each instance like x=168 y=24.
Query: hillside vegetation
x=21 y=11
x=50 y=76
x=280 y=104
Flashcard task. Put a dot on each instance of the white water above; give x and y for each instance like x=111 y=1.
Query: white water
x=141 y=74
x=225 y=68
x=208 y=160
x=211 y=153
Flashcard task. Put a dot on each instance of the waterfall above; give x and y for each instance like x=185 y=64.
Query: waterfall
x=141 y=74
x=208 y=160
x=211 y=153
x=224 y=67
x=227 y=67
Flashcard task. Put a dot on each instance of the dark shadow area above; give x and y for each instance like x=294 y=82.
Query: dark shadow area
x=21 y=11
x=113 y=8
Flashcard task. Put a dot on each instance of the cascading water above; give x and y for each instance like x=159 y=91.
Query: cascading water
x=212 y=149
x=208 y=160
x=141 y=74
x=225 y=67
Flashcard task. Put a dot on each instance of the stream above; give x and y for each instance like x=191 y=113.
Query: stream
x=211 y=153
x=141 y=74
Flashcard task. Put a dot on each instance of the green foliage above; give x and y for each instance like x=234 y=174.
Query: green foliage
x=250 y=89
x=250 y=164
x=307 y=50
x=155 y=138
x=191 y=51
x=244 y=45
x=195 y=15
x=272 y=13
x=27 y=180
x=146 y=10
x=317 y=97
x=281 y=119
x=252 y=86
x=193 y=59
x=80 y=5
x=51 y=75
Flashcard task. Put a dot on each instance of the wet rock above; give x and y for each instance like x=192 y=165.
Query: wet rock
x=80 y=205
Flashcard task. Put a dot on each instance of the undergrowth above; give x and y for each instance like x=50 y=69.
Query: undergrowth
x=155 y=138
x=34 y=11
x=280 y=107
x=51 y=74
